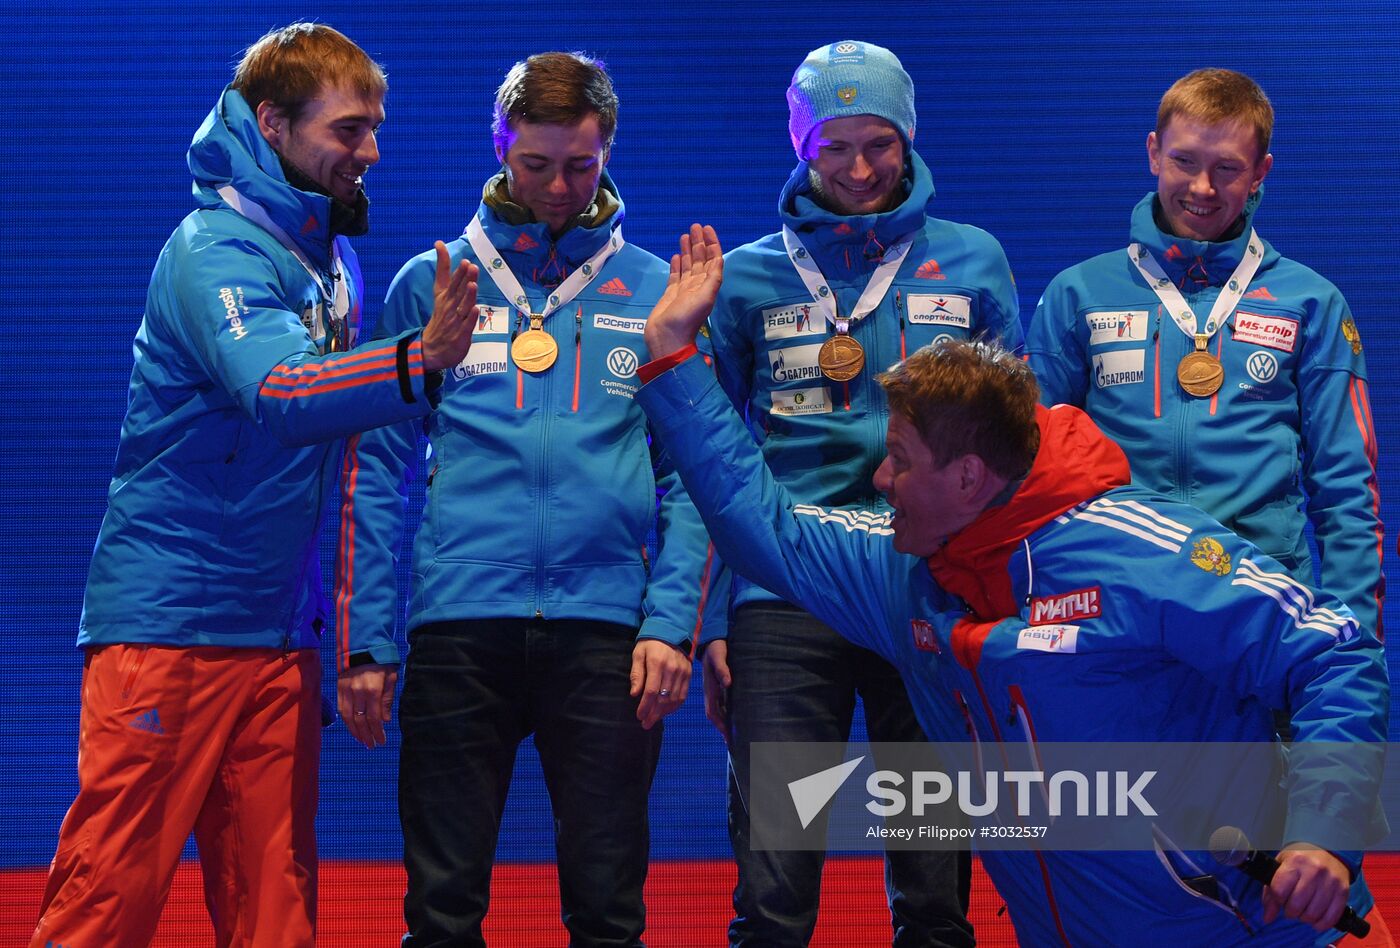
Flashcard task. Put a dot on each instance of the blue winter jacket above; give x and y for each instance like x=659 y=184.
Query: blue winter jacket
x=541 y=489
x=1289 y=431
x=229 y=445
x=823 y=440
x=1194 y=635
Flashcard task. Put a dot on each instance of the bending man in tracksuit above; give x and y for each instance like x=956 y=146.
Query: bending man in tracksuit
x=997 y=503
x=858 y=276
x=204 y=607
x=1232 y=376
x=533 y=607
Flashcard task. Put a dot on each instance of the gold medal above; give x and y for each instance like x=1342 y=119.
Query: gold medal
x=1200 y=373
x=534 y=350
x=841 y=358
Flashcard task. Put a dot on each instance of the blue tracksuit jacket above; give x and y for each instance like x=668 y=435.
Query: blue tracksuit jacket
x=1288 y=438
x=823 y=439
x=541 y=491
x=1195 y=636
x=229 y=445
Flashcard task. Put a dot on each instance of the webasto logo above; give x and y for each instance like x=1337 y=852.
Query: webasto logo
x=235 y=322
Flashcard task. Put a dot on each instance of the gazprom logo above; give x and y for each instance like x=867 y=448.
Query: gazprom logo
x=795 y=363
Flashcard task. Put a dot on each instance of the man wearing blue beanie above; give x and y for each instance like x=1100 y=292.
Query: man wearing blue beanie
x=857 y=277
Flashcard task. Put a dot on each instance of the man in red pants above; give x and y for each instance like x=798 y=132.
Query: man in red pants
x=203 y=608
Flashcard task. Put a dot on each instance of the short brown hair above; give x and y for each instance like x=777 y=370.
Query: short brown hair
x=1219 y=95
x=969 y=398
x=289 y=66
x=555 y=89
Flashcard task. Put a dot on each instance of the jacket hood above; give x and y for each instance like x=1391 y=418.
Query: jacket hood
x=858 y=239
x=229 y=149
x=534 y=255
x=1076 y=462
x=1180 y=256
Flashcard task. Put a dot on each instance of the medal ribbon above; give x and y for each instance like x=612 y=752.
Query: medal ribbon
x=1181 y=312
x=495 y=266
x=335 y=298
x=822 y=295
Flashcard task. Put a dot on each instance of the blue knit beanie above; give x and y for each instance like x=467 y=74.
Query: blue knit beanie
x=849 y=78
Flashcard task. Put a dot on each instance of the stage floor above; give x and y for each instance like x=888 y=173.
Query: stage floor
x=687 y=905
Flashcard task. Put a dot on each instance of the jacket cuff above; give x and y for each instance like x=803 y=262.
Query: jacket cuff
x=655 y=367
x=664 y=632
x=375 y=655
x=415 y=385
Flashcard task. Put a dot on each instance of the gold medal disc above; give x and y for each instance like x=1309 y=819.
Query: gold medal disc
x=841 y=358
x=1200 y=374
x=534 y=350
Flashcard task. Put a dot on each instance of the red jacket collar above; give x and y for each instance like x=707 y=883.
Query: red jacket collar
x=1076 y=462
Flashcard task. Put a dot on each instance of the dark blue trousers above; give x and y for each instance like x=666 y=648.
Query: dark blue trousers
x=472 y=692
x=796 y=679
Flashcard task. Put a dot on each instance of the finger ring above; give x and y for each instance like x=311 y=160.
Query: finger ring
x=665 y=692
x=359 y=712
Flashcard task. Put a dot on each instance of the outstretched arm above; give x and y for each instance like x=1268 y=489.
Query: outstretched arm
x=839 y=565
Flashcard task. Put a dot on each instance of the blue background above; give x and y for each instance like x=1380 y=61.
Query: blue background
x=1032 y=117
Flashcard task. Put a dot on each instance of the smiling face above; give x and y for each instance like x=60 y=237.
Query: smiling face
x=332 y=141
x=930 y=500
x=554 y=169
x=857 y=164
x=1205 y=174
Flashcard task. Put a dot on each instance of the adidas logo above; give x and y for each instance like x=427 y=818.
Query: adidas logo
x=1174 y=253
x=150 y=721
x=929 y=270
x=843 y=228
x=310 y=224
x=615 y=287
x=526 y=242
x=1262 y=293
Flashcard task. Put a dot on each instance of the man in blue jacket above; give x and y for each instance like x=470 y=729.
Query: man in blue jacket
x=203 y=612
x=533 y=608
x=1232 y=376
x=859 y=275
x=998 y=508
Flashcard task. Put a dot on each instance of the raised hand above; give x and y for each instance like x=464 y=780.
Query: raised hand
x=448 y=335
x=696 y=274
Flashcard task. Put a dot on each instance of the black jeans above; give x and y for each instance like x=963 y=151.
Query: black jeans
x=472 y=692
x=796 y=679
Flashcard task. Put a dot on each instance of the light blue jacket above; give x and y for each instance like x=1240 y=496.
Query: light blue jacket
x=823 y=440
x=1288 y=438
x=541 y=490
x=229 y=445
x=1193 y=635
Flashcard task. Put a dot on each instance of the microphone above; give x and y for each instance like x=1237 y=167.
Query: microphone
x=1229 y=846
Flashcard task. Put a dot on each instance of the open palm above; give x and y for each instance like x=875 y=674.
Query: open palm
x=691 y=288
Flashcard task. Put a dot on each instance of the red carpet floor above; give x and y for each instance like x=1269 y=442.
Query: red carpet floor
x=687 y=905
